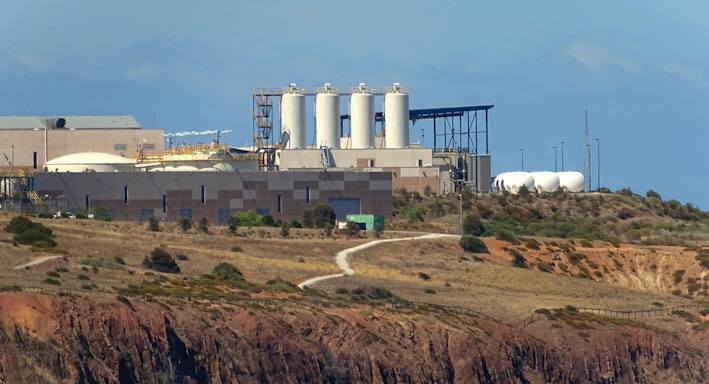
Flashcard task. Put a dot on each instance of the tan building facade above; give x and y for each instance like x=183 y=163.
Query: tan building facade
x=29 y=141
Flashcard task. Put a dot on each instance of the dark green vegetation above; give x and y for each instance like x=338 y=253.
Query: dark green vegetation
x=29 y=232
x=161 y=261
x=614 y=217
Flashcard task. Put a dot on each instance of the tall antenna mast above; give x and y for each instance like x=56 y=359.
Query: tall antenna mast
x=586 y=156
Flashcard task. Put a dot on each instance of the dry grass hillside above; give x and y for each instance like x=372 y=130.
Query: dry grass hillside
x=614 y=251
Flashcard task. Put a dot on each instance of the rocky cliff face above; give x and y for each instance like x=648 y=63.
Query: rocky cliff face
x=46 y=339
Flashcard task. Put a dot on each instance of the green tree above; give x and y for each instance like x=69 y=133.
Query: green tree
x=267 y=220
x=28 y=232
x=161 y=261
x=320 y=216
x=249 y=218
x=414 y=214
x=473 y=226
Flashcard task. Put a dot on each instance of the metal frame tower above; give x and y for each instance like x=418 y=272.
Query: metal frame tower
x=586 y=156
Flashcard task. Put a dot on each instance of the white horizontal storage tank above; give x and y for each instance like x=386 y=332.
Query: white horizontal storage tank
x=513 y=181
x=396 y=117
x=362 y=118
x=293 y=119
x=327 y=118
x=571 y=181
x=545 y=181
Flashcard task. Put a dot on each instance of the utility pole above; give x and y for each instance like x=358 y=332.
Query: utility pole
x=586 y=155
x=522 y=151
x=598 y=161
x=556 y=159
x=562 y=156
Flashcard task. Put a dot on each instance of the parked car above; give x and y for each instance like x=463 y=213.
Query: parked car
x=64 y=215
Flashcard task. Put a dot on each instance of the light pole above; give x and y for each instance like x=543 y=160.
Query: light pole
x=522 y=151
x=562 y=156
x=556 y=159
x=598 y=161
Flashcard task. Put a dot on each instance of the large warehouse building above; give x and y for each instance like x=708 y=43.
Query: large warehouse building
x=30 y=141
x=352 y=161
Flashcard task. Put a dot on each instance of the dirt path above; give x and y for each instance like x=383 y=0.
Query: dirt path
x=343 y=257
x=37 y=262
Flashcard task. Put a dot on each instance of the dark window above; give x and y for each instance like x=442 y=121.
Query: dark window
x=279 y=203
x=186 y=212
x=307 y=194
x=87 y=202
x=164 y=203
x=202 y=190
x=125 y=194
x=149 y=146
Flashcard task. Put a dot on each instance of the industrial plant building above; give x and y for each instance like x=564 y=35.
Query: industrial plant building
x=354 y=161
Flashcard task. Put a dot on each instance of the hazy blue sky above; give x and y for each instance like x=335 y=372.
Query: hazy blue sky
x=638 y=67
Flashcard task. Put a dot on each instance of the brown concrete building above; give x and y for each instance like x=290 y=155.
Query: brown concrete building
x=216 y=195
x=29 y=141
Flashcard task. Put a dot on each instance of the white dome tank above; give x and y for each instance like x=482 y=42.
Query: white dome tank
x=396 y=117
x=571 y=181
x=545 y=181
x=362 y=118
x=293 y=119
x=513 y=181
x=327 y=118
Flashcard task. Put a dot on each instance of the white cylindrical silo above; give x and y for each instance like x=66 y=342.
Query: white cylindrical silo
x=396 y=117
x=362 y=118
x=327 y=118
x=293 y=119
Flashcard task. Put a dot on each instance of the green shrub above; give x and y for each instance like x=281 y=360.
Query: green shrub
x=267 y=220
x=473 y=226
x=342 y=291
x=545 y=267
x=233 y=222
x=83 y=277
x=236 y=248
x=228 y=272
x=585 y=243
x=678 y=276
x=531 y=243
x=429 y=291
x=507 y=236
x=374 y=293
x=182 y=257
x=119 y=260
x=29 y=232
x=518 y=259
x=161 y=261
x=185 y=224
x=203 y=225
x=51 y=281
x=53 y=274
x=473 y=244
x=153 y=224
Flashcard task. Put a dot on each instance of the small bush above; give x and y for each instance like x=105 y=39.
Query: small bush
x=429 y=291
x=161 y=261
x=518 y=259
x=119 y=260
x=532 y=244
x=53 y=274
x=342 y=291
x=473 y=226
x=424 y=276
x=182 y=257
x=228 y=272
x=545 y=267
x=678 y=276
x=585 y=243
x=185 y=224
x=51 y=281
x=83 y=277
x=473 y=244
x=153 y=224
x=236 y=248
x=203 y=225
x=507 y=236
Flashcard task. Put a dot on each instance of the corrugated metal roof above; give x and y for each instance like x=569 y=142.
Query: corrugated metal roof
x=72 y=122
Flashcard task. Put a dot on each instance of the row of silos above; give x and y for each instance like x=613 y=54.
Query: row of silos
x=362 y=117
